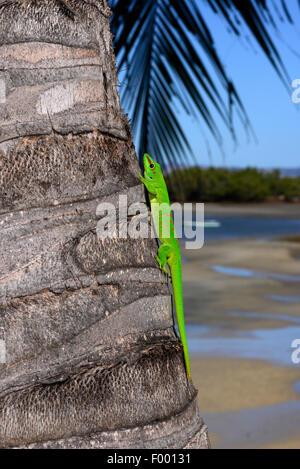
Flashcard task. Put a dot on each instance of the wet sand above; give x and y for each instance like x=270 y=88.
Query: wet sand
x=292 y=443
x=240 y=294
x=245 y=384
x=222 y=294
x=228 y=387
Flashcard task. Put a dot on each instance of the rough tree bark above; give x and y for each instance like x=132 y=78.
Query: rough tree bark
x=92 y=360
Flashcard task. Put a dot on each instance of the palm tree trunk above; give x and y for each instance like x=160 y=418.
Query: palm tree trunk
x=92 y=360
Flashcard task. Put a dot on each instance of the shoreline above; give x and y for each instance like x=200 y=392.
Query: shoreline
x=265 y=210
x=242 y=275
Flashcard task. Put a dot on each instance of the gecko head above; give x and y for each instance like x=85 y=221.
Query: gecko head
x=151 y=168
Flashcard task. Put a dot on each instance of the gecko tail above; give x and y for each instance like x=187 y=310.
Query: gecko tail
x=177 y=292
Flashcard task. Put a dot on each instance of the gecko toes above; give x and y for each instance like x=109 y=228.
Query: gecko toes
x=161 y=266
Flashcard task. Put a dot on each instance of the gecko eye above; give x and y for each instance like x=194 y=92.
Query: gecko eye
x=152 y=166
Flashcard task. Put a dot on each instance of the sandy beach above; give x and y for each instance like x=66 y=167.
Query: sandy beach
x=229 y=387
x=242 y=306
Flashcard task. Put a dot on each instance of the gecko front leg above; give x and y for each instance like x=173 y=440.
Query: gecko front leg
x=164 y=253
x=149 y=186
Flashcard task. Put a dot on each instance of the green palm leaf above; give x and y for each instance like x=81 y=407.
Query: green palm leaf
x=168 y=54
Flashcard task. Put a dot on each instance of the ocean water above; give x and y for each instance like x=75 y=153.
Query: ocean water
x=233 y=271
x=239 y=227
x=284 y=299
x=274 y=346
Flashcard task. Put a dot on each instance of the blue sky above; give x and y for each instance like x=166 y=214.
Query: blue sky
x=275 y=118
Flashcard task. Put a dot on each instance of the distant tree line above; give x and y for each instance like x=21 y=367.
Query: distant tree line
x=223 y=185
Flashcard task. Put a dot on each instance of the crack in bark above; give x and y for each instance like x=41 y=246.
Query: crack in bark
x=66 y=10
x=74 y=201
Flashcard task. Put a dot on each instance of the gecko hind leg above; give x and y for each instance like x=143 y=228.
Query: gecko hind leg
x=162 y=257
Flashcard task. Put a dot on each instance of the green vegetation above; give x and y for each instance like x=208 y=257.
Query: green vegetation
x=222 y=185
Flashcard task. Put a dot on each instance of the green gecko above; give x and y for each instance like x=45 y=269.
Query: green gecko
x=169 y=250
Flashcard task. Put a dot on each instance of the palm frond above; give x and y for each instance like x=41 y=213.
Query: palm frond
x=169 y=55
